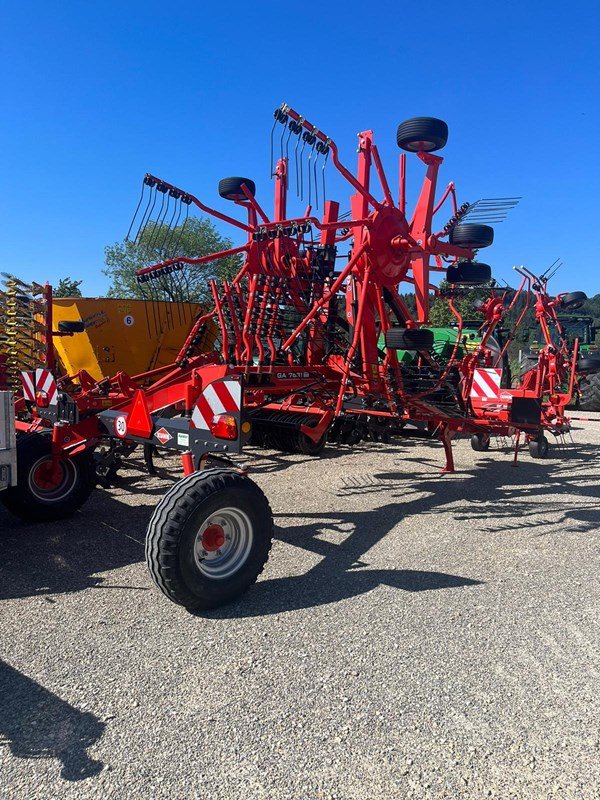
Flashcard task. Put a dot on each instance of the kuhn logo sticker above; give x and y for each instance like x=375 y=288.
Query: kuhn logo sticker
x=163 y=435
x=121 y=426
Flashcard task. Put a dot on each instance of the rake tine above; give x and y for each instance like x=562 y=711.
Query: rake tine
x=136 y=211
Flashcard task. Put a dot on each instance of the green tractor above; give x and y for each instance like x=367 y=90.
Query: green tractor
x=588 y=363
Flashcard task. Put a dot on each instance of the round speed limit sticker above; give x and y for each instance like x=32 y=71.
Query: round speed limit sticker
x=128 y=320
x=121 y=425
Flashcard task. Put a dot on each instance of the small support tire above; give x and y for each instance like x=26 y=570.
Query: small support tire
x=231 y=188
x=422 y=134
x=538 y=448
x=468 y=273
x=472 y=235
x=409 y=339
x=480 y=443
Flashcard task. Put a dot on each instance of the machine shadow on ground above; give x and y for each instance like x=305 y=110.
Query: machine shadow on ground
x=35 y=723
x=493 y=494
x=492 y=490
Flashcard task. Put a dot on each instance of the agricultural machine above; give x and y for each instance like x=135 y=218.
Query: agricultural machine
x=569 y=329
x=309 y=335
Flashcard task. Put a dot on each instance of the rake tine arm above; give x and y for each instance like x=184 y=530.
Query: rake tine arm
x=450 y=190
x=195 y=261
x=190 y=198
x=381 y=175
x=334 y=154
x=254 y=203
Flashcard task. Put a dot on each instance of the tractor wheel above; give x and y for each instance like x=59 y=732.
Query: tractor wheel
x=589 y=393
x=40 y=496
x=209 y=538
x=574 y=300
x=471 y=235
x=231 y=188
x=589 y=363
x=422 y=134
x=469 y=273
x=538 y=448
x=409 y=339
x=480 y=442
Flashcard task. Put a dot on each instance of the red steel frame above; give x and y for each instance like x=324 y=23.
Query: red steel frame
x=279 y=263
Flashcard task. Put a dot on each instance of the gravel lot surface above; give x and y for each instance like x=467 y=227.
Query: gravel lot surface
x=413 y=635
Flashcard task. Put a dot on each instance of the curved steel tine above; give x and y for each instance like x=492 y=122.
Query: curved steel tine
x=136 y=211
x=146 y=215
x=323 y=174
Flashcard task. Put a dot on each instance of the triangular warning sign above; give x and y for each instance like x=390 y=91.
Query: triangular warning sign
x=139 y=421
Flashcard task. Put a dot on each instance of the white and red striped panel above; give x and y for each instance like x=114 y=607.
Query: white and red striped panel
x=42 y=380
x=220 y=397
x=486 y=384
x=28 y=384
x=46 y=382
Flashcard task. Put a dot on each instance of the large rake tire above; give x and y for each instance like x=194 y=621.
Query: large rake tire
x=472 y=235
x=422 y=134
x=589 y=393
x=209 y=538
x=469 y=273
x=231 y=188
x=40 y=495
x=409 y=339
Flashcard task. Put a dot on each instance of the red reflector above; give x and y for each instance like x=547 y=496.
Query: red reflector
x=224 y=426
x=41 y=399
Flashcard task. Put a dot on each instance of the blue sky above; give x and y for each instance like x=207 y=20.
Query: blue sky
x=96 y=94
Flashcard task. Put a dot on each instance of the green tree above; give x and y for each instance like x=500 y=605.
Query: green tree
x=196 y=238
x=440 y=314
x=67 y=287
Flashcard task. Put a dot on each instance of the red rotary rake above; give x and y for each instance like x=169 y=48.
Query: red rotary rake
x=308 y=351
x=538 y=402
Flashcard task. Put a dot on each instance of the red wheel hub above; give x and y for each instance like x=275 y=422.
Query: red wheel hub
x=213 y=538
x=47 y=476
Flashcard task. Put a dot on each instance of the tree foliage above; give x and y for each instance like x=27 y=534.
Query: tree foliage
x=67 y=287
x=196 y=238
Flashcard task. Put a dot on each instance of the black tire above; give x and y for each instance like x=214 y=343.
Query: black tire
x=34 y=503
x=588 y=364
x=538 y=448
x=307 y=447
x=480 y=442
x=422 y=134
x=174 y=561
x=469 y=273
x=573 y=300
x=589 y=393
x=409 y=339
x=472 y=235
x=231 y=188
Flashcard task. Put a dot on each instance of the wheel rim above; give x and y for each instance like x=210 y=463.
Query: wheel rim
x=223 y=543
x=49 y=485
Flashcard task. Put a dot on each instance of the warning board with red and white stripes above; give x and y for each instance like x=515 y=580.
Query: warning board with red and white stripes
x=46 y=382
x=28 y=384
x=220 y=397
x=486 y=384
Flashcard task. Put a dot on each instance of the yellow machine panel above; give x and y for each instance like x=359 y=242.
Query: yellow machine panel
x=134 y=336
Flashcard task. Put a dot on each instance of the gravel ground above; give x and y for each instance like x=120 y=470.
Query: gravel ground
x=413 y=636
